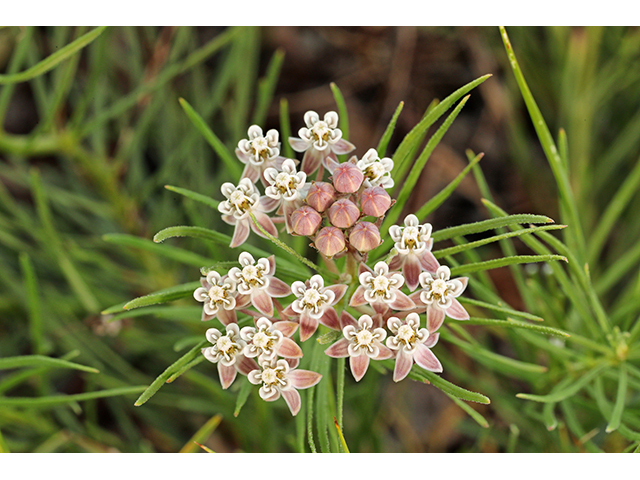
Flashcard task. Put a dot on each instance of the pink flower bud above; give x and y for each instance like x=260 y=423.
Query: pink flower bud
x=305 y=221
x=321 y=195
x=364 y=237
x=330 y=241
x=375 y=201
x=347 y=178
x=343 y=213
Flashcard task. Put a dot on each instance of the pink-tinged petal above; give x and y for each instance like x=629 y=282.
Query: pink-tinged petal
x=411 y=270
x=364 y=268
x=402 y=302
x=385 y=353
x=308 y=326
x=304 y=378
x=338 y=349
x=380 y=307
x=415 y=298
x=435 y=317
x=277 y=288
x=272 y=265
x=426 y=359
x=250 y=171
x=205 y=317
x=357 y=298
x=330 y=162
x=343 y=146
x=289 y=349
x=298 y=144
x=404 y=362
x=242 y=300
x=432 y=339
x=246 y=365
x=293 y=362
x=311 y=161
x=290 y=312
x=227 y=316
x=330 y=319
x=338 y=291
x=262 y=301
x=266 y=223
x=429 y=262
x=378 y=321
x=457 y=311
x=287 y=328
x=347 y=319
x=292 y=397
x=268 y=204
x=396 y=262
x=359 y=366
x=227 y=375
x=240 y=234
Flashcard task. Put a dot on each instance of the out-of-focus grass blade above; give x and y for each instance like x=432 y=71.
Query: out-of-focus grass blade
x=34 y=304
x=561 y=394
x=3 y=445
x=55 y=400
x=510 y=323
x=549 y=417
x=267 y=87
x=185 y=368
x=616 y=415
x=343 y=442
x=151 y=390
x=230 y=161
x=163 y=296
x=484 y=225
x=438 y=199
x=502 y=262
x=243 y=395
x=174 y=253
x=411 y=180
x=448 y=387
x=41 y=361
x=501 y=308
x=285 y=128
x=342 y=110
x=386 y=136
x=198 y=197
x=479 y=419
x=53 y=59
x=201 y=435
x=186 y=314
x=467 y=246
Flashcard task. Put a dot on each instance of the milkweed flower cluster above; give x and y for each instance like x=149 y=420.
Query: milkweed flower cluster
x=389 y=311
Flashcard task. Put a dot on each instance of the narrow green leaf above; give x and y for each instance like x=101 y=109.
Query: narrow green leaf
x=41 y=361
x=438 y=199
x=198 y=197
x=448 y=387
x=549 y=417
x=500 y=308
x=185 y=368
x=479 y=419
x=232 y=163
x=572 y=389
x=490 y=224
x=267 y=87
x=243 y=395
x=386 y=136
x=285 y=128
x=343 y=442
x=502 y=262
x=53 y=59
x=510 y=323
x=55 y=400
x=201 y=435
x=163 y=296
x=152 y=389
x=342 y=110
x=618 y=409
x=34 y=304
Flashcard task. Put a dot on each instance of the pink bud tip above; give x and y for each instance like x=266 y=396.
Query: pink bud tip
x=305 y=221
x=343 y=213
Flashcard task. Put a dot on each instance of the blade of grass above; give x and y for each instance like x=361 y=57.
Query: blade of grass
x=564 y=393
x=473 y=413
x=386 y=136
x=198 y=197
x=510 y=323
x=41 y=361
x=502 y=262
x=56 y=400
x=490 y=224
x=163 y=296
x=267 y=87
x=34 y=304
x=618 y=409
x=201 y=435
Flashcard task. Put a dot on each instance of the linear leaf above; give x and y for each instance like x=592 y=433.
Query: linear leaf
x=568 y=391
x=386 y=136
x=510 y=323
x=448 y=387
x=490 y=224
x=502 y=262
x=267 y=87
x=342 y=110
x=501 y=308
x=201 y=435
x=198 y=197
x=53 y=59
x=163 y=296
x=243 y=395
x=54 y=400
x=41 y=361
x=473 y=413
x=618 y=409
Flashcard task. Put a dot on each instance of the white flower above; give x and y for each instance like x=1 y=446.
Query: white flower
x=268 y=340
x=240 y=200
x=225 y=348
x=439 y=294
x=285 y=184
x=381 y=289
x=377 y=171
x=216 y=293
x=258 y=148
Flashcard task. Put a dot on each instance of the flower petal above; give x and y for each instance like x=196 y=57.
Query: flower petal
x=292 y=397
x=289 y=349
x=432 y=339
x=266 y=223
x=429 y=262
x=339 y=291
x=435 y=317
x=457 y=311
x=278 y=288
x=385 y=353
x=347 y=319
x=268 y=204
x=338 y=349
x=411 y=270
x=227 y=375
x=286 y=327
x=304 y=378
x=262 y=301
x=311 y=161
x=298 y=144
x=240 y=234
x=402 y=302
x=357 y=298
x=246 y=365
x=308 y=326
x=227 y=316
x=359 y=366
x=330 y=319
x=426 y=359
x=396 y=262
x=250 y=171
x=342 y=146
x=404 y=362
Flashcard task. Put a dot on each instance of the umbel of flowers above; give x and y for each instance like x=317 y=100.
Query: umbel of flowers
x=395 y=307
